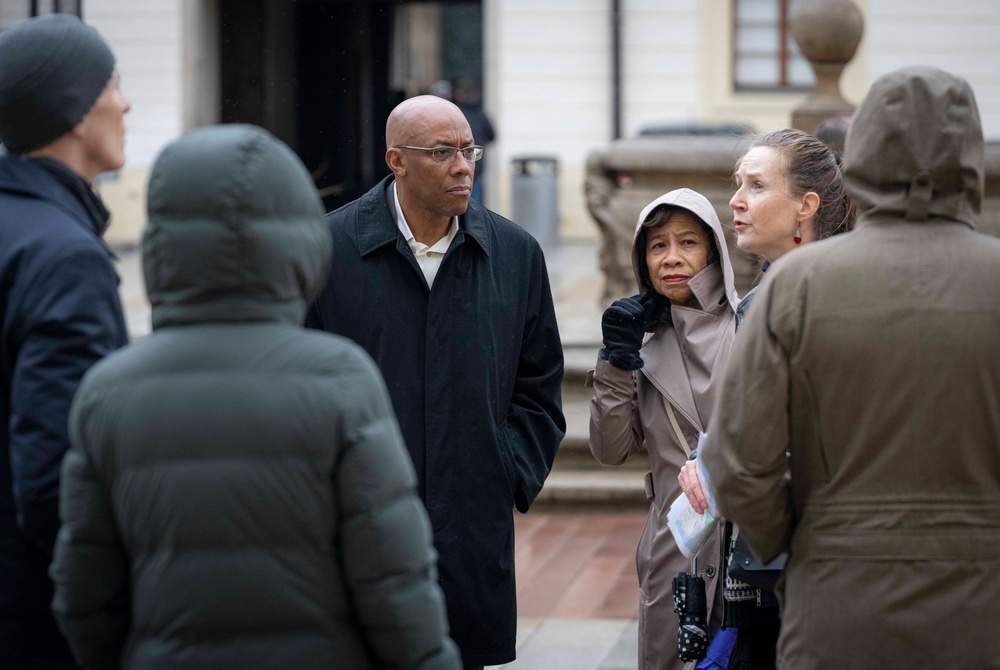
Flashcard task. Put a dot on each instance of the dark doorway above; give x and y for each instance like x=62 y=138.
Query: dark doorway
x=344 y=95
x=323 y=75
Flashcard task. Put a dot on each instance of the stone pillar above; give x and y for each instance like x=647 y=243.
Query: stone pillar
x=630 y=173
x=828 y=33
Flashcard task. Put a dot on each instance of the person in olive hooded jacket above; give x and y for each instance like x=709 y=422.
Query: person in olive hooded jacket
x=873 y=359
x=238 y=494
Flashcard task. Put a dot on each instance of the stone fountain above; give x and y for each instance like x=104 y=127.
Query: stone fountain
x=626 y=175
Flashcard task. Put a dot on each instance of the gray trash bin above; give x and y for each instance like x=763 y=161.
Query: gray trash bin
x=535 y=197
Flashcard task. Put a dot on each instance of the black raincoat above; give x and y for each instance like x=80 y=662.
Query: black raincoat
x=474 y=369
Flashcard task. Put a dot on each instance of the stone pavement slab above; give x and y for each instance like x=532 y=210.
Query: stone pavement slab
x=575 y=644
x=577 y=590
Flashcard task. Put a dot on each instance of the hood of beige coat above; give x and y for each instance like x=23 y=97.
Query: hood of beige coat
x=915 y=149
x=698 y=205
x=685 y=359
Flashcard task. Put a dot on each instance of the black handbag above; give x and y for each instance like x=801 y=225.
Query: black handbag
x=744 y=567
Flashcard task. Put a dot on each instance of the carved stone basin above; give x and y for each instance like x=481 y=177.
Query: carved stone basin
x=629 y=173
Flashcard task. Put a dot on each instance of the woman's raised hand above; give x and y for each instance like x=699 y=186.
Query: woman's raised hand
x=688 y=478
x=623 y=326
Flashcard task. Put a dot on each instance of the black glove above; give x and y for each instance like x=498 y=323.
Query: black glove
x=623 y=325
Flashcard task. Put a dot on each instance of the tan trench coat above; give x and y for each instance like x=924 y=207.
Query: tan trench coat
x=683 y=363
x=874 y=358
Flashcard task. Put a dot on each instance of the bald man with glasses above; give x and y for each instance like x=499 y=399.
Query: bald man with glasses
x=453 y=303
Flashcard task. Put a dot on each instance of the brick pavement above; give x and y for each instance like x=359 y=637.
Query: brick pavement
x=577 y=590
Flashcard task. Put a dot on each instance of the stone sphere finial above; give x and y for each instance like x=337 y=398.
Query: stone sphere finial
x=828 y=33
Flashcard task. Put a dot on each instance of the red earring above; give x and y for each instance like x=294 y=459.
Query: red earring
x=798 y=236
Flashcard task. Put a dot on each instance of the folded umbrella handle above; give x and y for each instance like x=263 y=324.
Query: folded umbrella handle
x=691 y=606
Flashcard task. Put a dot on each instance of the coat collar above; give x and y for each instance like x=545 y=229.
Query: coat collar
x=709 y=289
x=48 y=180
x=680 y=358
x=99 y=215
x=376 y=221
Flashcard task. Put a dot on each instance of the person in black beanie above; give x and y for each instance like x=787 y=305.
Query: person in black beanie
x=61 y=123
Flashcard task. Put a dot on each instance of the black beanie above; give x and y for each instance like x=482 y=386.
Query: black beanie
x=52 y=70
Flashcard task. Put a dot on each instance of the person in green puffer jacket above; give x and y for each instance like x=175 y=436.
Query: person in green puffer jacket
x=238 y=494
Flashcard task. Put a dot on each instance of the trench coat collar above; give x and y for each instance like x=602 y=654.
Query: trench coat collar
x=680 y=358
x=376 y=222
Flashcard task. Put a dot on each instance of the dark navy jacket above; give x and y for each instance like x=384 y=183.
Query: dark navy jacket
x=60 y=313
x=474 y=368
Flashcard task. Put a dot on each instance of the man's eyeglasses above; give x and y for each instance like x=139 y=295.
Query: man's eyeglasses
x=445 y=154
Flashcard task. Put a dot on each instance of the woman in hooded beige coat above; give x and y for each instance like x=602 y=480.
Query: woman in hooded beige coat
x=681 y=363
x=873 y=358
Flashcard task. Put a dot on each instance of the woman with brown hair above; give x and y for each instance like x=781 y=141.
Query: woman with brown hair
x=789 y=192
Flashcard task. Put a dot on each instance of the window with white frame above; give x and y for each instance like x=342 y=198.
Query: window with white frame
x=765 y=56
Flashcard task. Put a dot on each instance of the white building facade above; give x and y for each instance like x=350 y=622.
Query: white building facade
x=547 y=74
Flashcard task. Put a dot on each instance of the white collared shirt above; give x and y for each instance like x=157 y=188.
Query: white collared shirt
x=428 y=257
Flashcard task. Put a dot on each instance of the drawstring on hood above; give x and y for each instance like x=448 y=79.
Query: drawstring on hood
x=918 y=202
x=893 y=169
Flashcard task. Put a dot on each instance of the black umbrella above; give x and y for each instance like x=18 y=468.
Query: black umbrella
x=691 y=607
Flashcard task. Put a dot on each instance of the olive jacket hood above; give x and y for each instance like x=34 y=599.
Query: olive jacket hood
x=895 y=169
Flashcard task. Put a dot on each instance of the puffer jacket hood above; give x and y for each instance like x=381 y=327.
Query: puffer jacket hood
x=698 y=205
x=225 y=244
x=895 y=170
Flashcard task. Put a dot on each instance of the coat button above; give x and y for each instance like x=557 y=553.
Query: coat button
x=710 y=571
